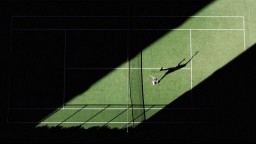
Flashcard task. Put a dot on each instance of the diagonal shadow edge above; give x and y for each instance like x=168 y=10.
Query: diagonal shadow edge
x=188 y=12
x=217 y=81
x=225 y=100
x=231 y=121
x=145 y=41
x=83 y=85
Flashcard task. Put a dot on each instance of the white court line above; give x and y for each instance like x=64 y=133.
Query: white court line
x=132 y=29
x=64 y=70
x=124 y=108
x=128 y=72
x=134 y=16
x=119 y=68
x=88 y=122
x=191 y=66
x=128 y=90
x=9 y=74
x=131 y=108
x=74 y=16
x=112 y=122
x=195 y=16
x=215 y=29
x=244 y=33
x=112 y=108
x=103 y=122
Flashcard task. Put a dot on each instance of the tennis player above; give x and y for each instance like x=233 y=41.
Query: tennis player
x=154 y=80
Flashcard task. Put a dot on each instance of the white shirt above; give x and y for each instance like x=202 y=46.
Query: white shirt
x=154 y=81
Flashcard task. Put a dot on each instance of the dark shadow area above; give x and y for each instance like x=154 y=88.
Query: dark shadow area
x=229 y=96
x=173 y=69
x=229 y=93
x=36 y=74
x=79 y=81
x=84 y=49
x=36 y=69
x=74 y=134
x=130 y=121
x=225 y=105
x=137 y=117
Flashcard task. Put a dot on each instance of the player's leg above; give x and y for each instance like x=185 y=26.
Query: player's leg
x=181 y=62
x=191 y=58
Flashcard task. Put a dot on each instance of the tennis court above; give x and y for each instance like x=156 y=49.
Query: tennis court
x=128 y=71
x=107 y=102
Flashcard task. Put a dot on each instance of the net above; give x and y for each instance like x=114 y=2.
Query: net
x=136 y=89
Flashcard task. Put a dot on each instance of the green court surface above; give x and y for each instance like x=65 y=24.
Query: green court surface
x=220 y=32
x=102 y=91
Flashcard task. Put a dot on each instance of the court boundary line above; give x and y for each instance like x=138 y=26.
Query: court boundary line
x=191 y=67
x=128 y=62
x=116 y=68
x=195 y=29
x=121 y=108
x=244 y=34
x=104 y=122
x=9 y=76
x=116 y=16
x=64 y=69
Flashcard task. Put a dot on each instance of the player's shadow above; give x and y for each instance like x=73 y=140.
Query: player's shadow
x=173 y=69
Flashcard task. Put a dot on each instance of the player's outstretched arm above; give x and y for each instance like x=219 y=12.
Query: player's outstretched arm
x=152 y=77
